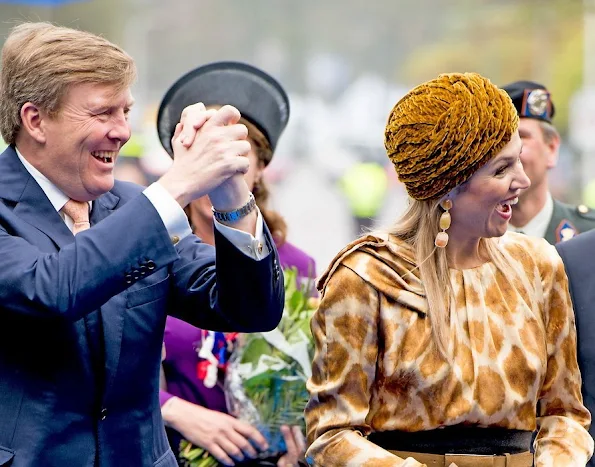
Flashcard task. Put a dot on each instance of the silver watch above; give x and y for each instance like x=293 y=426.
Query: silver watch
x=237 y=214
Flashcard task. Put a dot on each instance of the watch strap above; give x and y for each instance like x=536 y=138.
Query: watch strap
x=237 y=214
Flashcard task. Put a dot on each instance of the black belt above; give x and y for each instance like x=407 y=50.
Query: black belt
x=455 y=440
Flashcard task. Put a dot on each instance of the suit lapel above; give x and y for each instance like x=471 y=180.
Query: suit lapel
x=35 y=208
x=103 y=207
x=31 y=204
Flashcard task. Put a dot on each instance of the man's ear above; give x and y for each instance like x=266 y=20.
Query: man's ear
x=32 y=121
x=553 y=146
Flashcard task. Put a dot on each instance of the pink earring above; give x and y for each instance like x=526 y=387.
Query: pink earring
x=445 y=219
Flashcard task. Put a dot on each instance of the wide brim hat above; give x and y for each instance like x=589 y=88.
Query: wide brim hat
x=258 y=96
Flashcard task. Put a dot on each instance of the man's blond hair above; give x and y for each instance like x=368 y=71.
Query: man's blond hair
x=40 y=61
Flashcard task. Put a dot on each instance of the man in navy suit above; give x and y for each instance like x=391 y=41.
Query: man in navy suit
x=89 y=266
x=578 y=255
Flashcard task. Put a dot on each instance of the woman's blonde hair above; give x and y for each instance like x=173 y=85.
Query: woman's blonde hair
x=418 y=227
x=40 y=61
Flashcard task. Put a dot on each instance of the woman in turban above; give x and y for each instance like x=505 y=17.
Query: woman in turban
x=446 y=340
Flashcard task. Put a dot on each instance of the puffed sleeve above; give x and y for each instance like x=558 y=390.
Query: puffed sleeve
x=344 y=367
x=563 y=420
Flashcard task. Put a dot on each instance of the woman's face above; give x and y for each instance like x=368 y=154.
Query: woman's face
x=482 y=207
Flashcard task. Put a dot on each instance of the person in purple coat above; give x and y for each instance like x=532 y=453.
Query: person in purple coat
x=193 y=405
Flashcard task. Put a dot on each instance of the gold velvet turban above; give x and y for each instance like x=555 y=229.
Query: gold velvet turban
x=444 y=130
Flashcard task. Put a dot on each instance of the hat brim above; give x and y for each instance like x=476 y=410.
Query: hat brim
x=258 y=96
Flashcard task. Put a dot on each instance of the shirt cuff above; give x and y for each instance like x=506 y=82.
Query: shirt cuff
x=173 y=216
x=255 y=246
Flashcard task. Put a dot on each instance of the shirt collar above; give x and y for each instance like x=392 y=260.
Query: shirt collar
x=54 y=194
x=537 y=226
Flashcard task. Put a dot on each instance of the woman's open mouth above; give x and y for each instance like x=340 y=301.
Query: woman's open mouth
x=505 y=207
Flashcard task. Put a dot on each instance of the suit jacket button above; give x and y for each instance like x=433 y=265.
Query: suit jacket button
x=103 y=414
x=128 y=278
x=151 y=265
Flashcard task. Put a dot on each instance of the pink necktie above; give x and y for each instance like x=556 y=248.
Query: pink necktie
x=78 y=211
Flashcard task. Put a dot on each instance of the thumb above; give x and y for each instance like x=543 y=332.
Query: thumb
x=226 y=115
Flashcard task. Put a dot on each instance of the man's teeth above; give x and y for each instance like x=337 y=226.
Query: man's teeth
x=103 y=157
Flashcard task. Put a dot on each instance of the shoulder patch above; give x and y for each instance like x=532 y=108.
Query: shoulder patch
x=565 y=231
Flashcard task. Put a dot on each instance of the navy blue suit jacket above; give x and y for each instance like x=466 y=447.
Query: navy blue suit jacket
x=82 y=320
x=578 y=255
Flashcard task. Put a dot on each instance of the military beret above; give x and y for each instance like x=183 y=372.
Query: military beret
x=259 y=97
x=531 y=100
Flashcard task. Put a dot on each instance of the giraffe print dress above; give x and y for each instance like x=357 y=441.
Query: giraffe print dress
x=376 y=367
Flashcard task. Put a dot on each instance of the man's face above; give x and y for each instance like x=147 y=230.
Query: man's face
x=84 y=139
x=538 y=156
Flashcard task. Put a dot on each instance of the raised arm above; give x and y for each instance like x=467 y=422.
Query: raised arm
x=563 y=421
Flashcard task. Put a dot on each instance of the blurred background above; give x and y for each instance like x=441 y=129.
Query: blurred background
x=345 y=64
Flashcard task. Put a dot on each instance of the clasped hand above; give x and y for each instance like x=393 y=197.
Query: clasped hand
x=210 y=149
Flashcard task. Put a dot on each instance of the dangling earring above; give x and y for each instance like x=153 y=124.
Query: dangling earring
x=442 y=237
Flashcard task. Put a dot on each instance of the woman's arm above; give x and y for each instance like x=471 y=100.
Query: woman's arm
x=345 y=334
x=563 y=438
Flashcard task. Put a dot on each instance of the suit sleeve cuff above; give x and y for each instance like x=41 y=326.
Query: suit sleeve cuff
x=253 y=246
x=173 y=216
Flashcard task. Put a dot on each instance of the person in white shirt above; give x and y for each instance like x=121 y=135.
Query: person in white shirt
x=90 y=266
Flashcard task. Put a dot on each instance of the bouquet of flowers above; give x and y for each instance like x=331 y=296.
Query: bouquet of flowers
x=265 y=382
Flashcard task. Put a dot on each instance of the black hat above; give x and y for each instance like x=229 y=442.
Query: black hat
x=259 y=97
x=532 y=100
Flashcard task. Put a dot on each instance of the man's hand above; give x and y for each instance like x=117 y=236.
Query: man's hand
x=225 y=437
x=210 y=147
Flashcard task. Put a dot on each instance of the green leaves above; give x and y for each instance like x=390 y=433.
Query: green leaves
x=266 y=379
x=191 y=456
x=274 y=366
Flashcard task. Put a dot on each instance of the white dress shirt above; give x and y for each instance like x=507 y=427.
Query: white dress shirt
x=537 y=226
x=171 y=213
